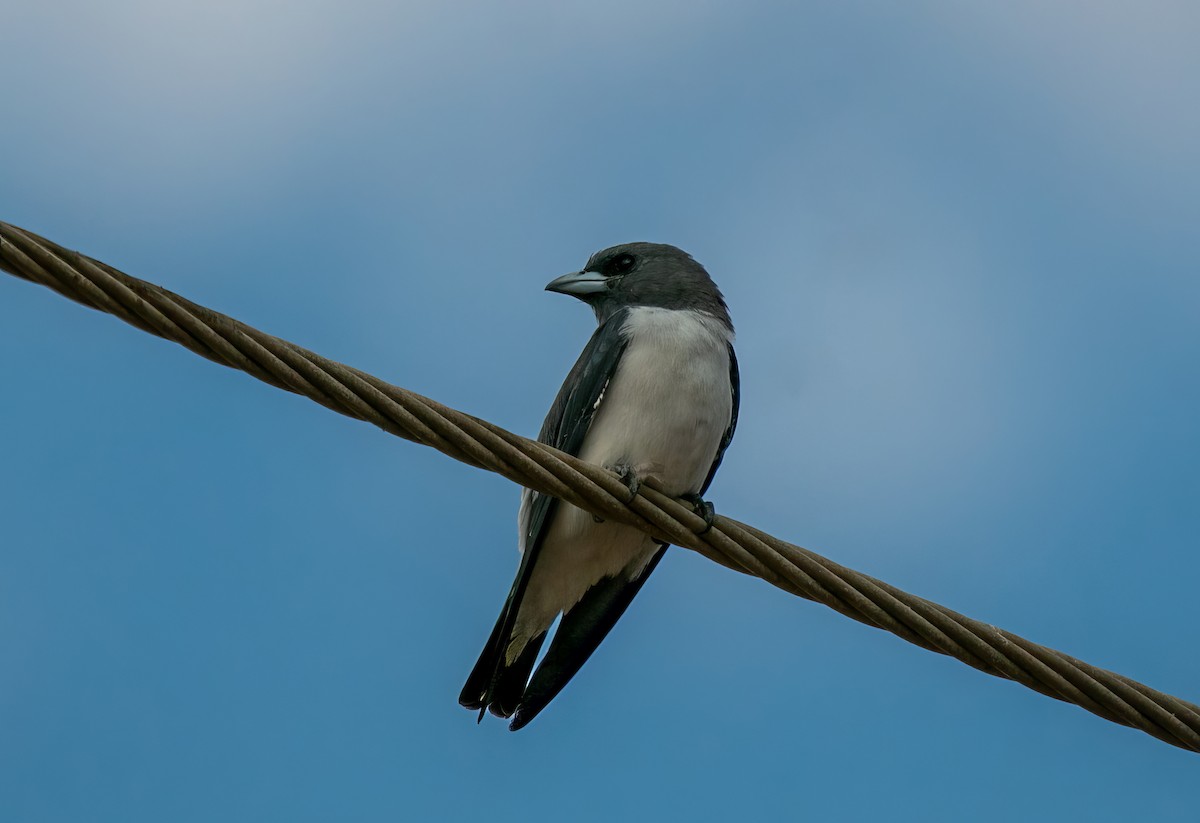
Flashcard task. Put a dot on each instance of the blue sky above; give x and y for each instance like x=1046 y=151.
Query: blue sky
x=959 y=245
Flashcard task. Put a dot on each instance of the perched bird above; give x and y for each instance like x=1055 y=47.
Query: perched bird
x=653 y=395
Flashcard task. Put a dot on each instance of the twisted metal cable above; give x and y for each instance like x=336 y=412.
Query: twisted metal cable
x=478 y=443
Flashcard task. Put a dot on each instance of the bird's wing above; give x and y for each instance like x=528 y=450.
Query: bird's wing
x=493 y=682
x=735 y=385
x=571 y=415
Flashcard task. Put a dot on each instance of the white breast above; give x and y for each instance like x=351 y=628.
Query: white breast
x=670 y=402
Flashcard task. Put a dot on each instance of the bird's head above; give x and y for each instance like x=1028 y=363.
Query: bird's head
x=642 y=274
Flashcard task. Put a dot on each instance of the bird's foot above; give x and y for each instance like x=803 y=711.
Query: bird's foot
x=703 y=508
x=632 y=480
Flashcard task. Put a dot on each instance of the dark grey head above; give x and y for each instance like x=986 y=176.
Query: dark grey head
x=643 y=274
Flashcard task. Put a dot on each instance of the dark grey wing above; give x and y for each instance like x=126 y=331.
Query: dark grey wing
x=735 y=385
x=571 y=414
x=493 y=683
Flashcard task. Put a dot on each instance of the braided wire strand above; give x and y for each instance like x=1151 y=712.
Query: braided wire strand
x=476 y=442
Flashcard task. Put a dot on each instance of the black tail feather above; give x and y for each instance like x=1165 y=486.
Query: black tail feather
x=474 y=693
x=579 y=633
x=479 y=691
x=495 y=685
x=511 y=679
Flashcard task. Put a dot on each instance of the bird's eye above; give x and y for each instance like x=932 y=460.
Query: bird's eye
x=623 y=263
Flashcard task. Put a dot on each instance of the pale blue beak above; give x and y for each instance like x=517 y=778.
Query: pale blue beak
x=579 y=284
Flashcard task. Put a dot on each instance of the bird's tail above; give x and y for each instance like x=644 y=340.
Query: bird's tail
x=495 y=684
x=581 y=630
x=507 y=690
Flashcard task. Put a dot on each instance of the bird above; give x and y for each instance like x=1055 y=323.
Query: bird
x=653 y=396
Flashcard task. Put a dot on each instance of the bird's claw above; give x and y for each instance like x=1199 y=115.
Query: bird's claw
x=703 y=508
x=631 y=479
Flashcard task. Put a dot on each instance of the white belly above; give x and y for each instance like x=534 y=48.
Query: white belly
x=663 y=414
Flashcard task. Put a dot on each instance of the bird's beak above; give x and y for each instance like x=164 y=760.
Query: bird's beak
x=579 y=283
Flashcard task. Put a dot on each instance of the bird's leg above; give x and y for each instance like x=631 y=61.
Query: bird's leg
x=703 y=508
